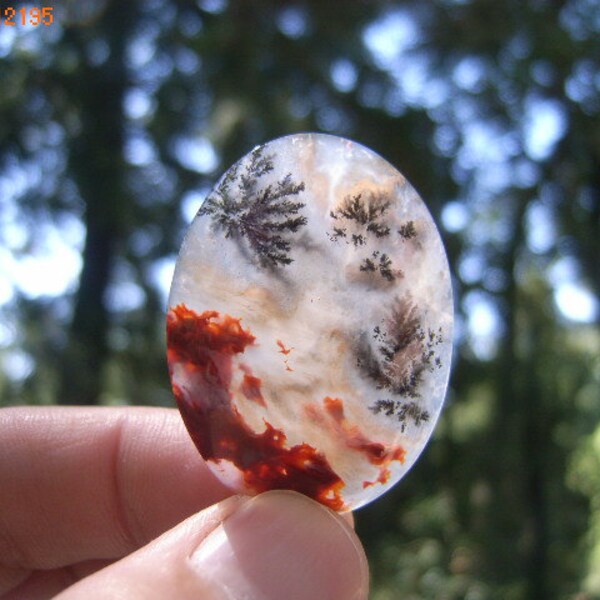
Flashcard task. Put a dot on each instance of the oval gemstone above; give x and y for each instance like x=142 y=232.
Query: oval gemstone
x=309 y=326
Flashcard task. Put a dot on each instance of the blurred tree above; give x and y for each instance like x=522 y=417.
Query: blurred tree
x=118 y=118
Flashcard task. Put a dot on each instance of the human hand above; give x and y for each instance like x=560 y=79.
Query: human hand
x=83 y=491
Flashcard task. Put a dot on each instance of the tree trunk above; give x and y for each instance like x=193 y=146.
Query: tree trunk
x=96 y=159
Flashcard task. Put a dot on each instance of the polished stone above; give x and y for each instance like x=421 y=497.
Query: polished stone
x=309 y=326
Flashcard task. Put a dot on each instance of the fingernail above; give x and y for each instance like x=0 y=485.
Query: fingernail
x=283 y=545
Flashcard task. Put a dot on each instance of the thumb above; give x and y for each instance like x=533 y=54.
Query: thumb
x=277 y=545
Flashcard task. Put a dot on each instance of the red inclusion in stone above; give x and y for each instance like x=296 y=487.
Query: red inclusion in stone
x=200 y=348
x=283 y=350
x=251 y=387
x=337 y=424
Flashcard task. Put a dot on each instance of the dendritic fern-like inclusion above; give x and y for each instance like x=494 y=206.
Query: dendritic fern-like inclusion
x=310 y=323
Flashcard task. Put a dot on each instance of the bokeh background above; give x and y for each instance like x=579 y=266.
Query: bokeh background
x=116 y=120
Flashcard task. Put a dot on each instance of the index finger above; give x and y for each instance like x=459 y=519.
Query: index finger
x=90 y=483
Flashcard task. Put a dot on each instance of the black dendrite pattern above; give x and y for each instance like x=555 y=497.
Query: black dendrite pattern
x=365 y=213
x=407 y=230
x=404 y=411
x=383 y=265
x=362 y=216
x=402 y=352
x=247 y=209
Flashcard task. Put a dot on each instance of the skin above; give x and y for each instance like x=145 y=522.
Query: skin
x=117 y=502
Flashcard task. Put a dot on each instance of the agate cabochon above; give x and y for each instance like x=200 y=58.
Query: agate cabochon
x=309 y=325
